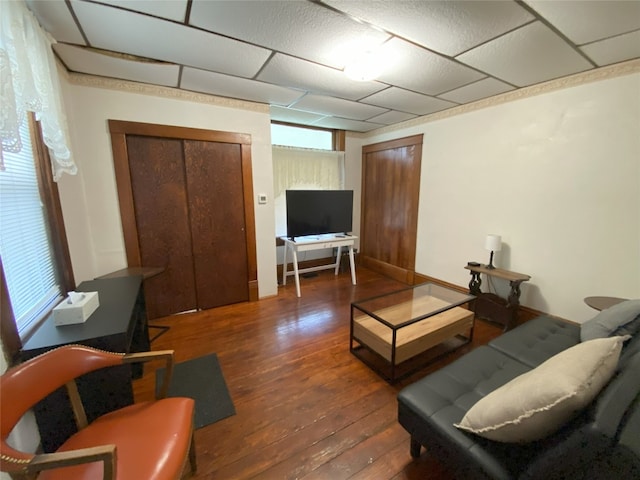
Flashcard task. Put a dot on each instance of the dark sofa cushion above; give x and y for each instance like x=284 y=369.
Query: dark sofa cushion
x=429 y=408
x=455 y=388
x=605 y=430
x=538 y=340
x=584 y=448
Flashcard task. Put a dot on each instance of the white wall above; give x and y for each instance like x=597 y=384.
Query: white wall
x=89 y=200
x=556 y=174
x=353 y=179
x=25 y=436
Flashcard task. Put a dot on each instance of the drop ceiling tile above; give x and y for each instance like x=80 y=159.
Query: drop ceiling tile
x=301 y=29
x=613 y=50
x=234 y=87
x=420 y=70
x=389 y=118
x=526 y=56
x=79 y=59
x=293 y=72
x=170 y=9
x=345 y=124
x=292 y=115
x=56 y=19
x=405 y=101
x=446 y=27
x=588 y=21
x=150 y=37
x=484 y=88
x=335 y=106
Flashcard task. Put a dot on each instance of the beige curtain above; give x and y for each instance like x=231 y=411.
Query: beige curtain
x=305 y=168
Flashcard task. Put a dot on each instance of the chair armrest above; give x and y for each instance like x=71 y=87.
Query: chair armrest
x=166 y=355
x=103 y=453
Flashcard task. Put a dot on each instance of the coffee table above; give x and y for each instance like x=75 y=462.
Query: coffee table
x=390 y=332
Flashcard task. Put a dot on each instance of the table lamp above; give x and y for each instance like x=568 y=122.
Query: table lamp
x=493 y=243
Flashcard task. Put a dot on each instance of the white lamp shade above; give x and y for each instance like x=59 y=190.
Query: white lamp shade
x=493 y=243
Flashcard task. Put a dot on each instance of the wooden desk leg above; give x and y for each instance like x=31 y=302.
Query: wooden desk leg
x=352 y=265
x=284 y=265
x=338 y=260
x=513 y=302
x=295 y=271
x=474 y=283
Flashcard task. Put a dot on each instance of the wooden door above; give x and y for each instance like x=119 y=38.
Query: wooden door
x=162 y=221
x=390 y=194
x=215 y=193
x=186 y=202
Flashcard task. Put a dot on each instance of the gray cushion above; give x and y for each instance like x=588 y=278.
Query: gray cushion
x=608 y=320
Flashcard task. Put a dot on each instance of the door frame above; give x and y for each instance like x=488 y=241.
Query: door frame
x=120 y=129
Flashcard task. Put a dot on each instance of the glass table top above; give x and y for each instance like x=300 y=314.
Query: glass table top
x=410 y=305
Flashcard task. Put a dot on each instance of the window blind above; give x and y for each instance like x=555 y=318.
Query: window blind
x=25 y=246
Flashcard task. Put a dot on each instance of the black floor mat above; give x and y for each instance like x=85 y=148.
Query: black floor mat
x=201 y=379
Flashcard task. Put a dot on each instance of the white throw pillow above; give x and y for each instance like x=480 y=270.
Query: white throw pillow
x=537 y=403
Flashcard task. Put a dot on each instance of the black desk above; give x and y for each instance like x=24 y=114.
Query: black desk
x=118 y=325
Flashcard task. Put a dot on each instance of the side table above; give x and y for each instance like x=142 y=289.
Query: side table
x=146 y=273
x=602 y=303
x=490 y=306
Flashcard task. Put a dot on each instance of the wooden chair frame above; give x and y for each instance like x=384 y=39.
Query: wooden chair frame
x=104 y=453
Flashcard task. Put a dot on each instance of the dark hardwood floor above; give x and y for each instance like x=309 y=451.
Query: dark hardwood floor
x=305 y=407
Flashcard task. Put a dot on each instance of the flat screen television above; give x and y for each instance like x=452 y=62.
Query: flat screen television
x=316 y=212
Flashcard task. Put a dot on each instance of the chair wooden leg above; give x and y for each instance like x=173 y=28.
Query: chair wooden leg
x=192 y=454
x=415 y=447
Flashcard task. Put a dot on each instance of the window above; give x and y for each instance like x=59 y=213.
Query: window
x=293 y=136
x=35 y=261
x=303 y=159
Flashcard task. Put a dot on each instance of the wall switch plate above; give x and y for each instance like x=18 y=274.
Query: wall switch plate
x=262 y=198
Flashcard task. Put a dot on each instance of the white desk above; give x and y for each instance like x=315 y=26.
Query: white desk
x=316 y=242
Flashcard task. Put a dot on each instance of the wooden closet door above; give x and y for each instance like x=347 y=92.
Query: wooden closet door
x=216 y=205
x=390 y=194
x=186 y=204
x=162 y=218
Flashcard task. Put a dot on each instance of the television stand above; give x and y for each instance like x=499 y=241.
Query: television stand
x=316 y=242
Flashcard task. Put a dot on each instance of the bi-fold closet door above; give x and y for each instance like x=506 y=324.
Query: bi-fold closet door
x=188 y=208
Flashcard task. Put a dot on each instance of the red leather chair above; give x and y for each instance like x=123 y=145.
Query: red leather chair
x=144 y=441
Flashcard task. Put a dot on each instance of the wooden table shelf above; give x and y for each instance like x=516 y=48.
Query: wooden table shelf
x=403 y=325
x=491 y=306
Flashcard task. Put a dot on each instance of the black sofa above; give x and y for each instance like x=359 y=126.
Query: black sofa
x=601 y=442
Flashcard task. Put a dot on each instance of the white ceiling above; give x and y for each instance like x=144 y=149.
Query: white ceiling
x=434 y=55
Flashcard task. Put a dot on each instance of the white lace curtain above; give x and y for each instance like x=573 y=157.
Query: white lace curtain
x=303 y=168
x=306 y=168
x=29 y=82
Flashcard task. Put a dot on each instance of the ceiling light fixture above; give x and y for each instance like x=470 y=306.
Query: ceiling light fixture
x=364 y=68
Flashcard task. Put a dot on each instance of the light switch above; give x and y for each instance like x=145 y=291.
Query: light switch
x=262 y=198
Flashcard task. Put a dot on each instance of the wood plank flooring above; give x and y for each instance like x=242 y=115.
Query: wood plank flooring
x=305 y=407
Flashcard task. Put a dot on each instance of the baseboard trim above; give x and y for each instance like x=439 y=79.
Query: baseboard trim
x=393 y=271
x=253 y=291
x=524 y=313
